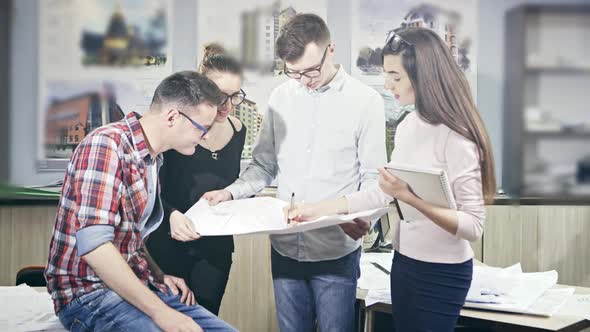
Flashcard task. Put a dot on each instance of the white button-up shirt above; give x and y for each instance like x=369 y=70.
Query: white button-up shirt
x=319 y=145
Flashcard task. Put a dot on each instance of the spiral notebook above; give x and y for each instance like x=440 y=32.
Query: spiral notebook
x=430 y=184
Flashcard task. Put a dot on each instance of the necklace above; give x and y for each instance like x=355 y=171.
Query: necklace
x=214 y=154
x=205 y=144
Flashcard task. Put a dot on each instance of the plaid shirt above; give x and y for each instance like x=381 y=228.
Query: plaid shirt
x=105 y=184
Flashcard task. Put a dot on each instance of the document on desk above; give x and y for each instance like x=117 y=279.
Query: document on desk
x=576 y=305
x=262 y=215
x=375 y=270
x=24 y=309
x=511 y=290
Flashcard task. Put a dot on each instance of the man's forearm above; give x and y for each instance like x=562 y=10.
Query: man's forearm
x=255 y=178
x=109 y=265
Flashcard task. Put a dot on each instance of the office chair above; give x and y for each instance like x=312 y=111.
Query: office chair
x=32 y=276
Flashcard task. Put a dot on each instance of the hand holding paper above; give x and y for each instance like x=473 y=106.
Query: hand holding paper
x=260 y=215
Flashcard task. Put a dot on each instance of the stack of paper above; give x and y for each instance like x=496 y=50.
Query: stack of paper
x=260 y=215
x=511 y=290
x=24 y=309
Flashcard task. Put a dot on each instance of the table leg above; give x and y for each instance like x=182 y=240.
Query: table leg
x=369 y=320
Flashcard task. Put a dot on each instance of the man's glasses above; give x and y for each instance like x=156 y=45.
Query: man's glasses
x=235 y=99
x=309 y=73
x=395 y=42
x=198 y=126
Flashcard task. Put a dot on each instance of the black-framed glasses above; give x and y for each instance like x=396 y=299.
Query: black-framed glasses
x=197 y=125
x=309 y=73
x=235 y=98
x=395 y=42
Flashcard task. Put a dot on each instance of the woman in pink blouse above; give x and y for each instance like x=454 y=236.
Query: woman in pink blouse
x=432 y=266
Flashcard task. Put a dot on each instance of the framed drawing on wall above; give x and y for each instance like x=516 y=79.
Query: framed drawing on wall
x=454 y=21
x=98 y=60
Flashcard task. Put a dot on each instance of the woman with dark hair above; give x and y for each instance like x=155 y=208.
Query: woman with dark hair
x=432 y=266
x=204 y=263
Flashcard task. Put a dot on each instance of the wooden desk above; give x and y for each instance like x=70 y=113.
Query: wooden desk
x=494 y=320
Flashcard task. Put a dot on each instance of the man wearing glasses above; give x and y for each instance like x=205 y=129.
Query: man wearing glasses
x=99 y=274
x=322 y=137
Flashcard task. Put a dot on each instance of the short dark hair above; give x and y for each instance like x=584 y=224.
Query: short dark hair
x=299 y=31
x=187 y=88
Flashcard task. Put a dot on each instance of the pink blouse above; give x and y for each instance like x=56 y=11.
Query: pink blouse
x=437 y=146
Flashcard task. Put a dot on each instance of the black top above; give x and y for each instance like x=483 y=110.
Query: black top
x=184 y=179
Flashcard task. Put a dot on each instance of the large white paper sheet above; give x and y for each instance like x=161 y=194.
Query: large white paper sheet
x=260 y=215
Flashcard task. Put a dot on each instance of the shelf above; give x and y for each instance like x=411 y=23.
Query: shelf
x=531 y=72
x=558 y=134
x=558 y=70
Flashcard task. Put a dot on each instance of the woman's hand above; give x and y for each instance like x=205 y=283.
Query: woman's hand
x=394 y=186
x=302 y=212
x=181 y=228
x=177 y=285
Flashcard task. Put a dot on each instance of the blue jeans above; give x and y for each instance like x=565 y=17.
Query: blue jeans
x=321 y=292
x=105 y=310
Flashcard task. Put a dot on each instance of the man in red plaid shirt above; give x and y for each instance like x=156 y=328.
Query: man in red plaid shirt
x=99 y=273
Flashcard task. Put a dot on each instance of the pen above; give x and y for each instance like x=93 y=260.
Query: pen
x=380 y=267
x=399 y=210
x=290 y=207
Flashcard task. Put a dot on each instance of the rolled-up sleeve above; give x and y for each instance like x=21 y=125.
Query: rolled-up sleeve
x=371 y=142
x=90 y=238
x=464 y=170
x=263 y=167
x=98 y=188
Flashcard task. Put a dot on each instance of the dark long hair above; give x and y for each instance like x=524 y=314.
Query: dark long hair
x=442 y=93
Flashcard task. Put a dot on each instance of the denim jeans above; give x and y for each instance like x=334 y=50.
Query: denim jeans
x=310 y=293
x=105 y=310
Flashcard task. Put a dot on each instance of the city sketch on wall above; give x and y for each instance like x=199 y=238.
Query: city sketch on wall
x=124 y=33
x=443 y=22
x=454 y=21
x=248 y=32
x=98 y=60
x=74 y=109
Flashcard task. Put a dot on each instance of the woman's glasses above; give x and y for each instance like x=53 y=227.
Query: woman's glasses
x=235 y=99
x=395 y=42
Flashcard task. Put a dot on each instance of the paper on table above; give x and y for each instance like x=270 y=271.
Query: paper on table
x=489 y=283
x=384 y=259
x=24 y=309
x=259 y=215
x=378 y=296
x=550 y=302
x=373 y=278
x=520 y=297
x=576 y=305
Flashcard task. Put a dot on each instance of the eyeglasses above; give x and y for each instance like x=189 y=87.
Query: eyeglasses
x=309 y=73
x=198 y=126
x=396 y=41
x=235 y=98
